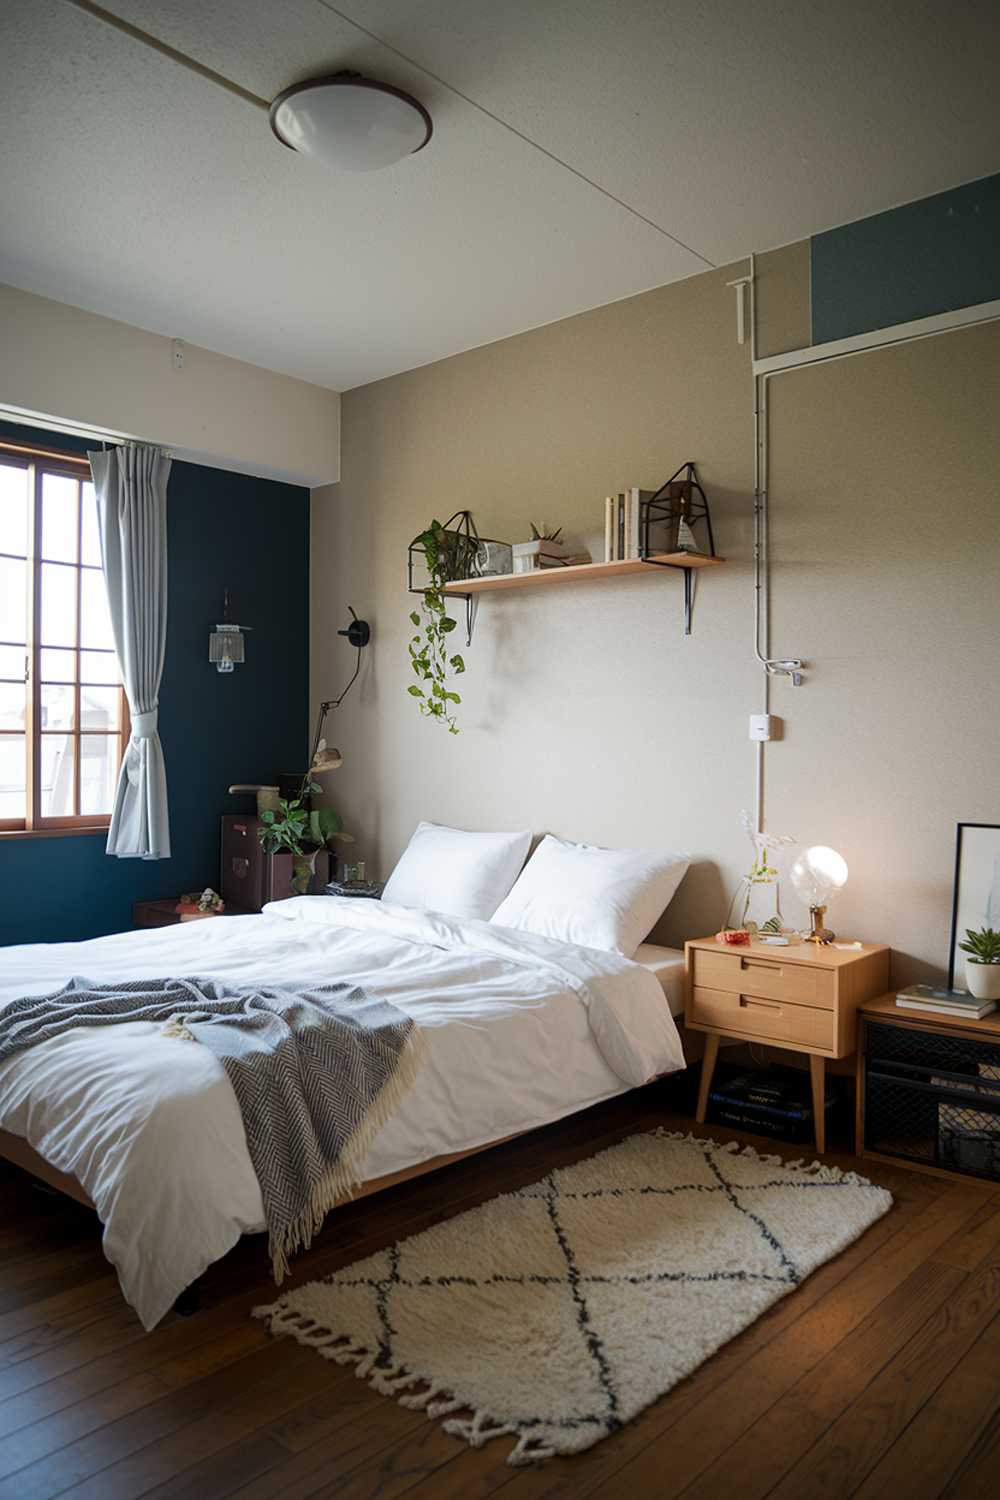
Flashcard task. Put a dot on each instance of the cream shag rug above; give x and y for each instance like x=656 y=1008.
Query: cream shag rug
x=557 y=1313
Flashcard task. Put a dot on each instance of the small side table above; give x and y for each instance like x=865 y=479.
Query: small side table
x=804 y=998
x=929 y=1090
x=165 y=914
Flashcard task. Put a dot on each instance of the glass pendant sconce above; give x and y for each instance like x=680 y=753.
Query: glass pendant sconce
x=226 y=646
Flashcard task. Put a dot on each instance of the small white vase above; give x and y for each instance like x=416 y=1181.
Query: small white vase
x=983 y=980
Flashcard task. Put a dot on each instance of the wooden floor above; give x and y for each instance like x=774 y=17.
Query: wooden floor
x=880 y=1376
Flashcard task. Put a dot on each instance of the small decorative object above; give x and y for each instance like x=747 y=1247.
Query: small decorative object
x=197 y=904
x=370 y=890
x=492 y=559
x=444 y=550
x=976 y=896
x=226 y=646
x=268 y=797
x=817 y=875
x=982 y=963
x=756 y=904
x=676 y=518
x=543 y=551
x=733 y=937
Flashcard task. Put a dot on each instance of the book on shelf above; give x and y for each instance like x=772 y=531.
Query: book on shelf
x=610 y=528
x=944 y=1002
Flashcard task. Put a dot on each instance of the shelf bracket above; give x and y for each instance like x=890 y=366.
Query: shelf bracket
x=689 y=573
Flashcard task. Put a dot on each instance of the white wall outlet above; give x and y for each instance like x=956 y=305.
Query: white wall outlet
x=765 y=727
x=178 y=354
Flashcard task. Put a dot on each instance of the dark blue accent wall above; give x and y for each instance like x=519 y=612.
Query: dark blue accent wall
x=222 y=529
x=927 y=257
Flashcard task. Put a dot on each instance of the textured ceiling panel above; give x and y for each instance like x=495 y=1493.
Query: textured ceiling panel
x=133 y=188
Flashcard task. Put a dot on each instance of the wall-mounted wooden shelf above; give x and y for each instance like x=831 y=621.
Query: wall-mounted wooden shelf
x=581 y=571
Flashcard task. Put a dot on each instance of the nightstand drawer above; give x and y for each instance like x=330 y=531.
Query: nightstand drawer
x=750 y=1015
x=773 y=979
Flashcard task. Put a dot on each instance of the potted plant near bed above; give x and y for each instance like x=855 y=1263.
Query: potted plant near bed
x=982 y=963
x=301 y=832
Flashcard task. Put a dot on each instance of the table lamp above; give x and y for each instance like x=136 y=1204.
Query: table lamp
x=817 y=875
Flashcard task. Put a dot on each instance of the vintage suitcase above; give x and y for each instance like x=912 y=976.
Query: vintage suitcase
x=249 y=877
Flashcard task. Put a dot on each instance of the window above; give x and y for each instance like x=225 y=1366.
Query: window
x=63 y=715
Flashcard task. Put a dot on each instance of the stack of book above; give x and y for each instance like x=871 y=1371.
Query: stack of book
x=623 y=524
x=770 y=1101
x=945 y=1002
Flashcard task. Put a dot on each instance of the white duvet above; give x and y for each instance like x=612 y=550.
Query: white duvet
x=520 y=1030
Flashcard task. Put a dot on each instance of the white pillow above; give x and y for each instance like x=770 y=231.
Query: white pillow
x=597 y=898
x=458 y=873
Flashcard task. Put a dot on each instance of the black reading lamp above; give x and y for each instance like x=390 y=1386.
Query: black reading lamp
x=324 y=759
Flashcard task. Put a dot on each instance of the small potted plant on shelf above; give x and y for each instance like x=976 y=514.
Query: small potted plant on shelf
x=982 y=963
x=302 y=833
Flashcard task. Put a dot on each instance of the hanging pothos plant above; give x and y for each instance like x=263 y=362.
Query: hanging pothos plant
x=429 y=656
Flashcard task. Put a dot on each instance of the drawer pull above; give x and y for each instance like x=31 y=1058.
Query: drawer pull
x=760 y=963
x=758 y=1004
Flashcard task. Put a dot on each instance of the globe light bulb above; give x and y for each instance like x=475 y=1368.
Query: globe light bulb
x=817 y=875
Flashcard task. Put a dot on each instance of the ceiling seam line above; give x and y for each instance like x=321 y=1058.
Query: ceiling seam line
x=505 y=124
x=136 y=33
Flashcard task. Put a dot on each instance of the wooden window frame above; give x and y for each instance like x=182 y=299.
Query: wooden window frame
x=38 y=462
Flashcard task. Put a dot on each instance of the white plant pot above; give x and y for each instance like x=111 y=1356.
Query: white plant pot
x=983 y=980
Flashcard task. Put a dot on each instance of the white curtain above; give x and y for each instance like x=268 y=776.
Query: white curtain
x=131 y=485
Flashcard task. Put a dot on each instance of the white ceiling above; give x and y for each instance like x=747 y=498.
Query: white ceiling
x=132 y=187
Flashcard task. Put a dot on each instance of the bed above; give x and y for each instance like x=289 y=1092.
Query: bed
x=146 y=1127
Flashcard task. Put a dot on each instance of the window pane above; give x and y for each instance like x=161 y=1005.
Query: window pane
x=90 y=543
x=58 y=605
x=13 y=698
x=13 y=776
x=60 y=517
x=57 y=707
x=98 y=772
x=13 y=509
x=99 y=666
x=13 y=660
x=13 y=600
x=58 y=666
x=57 y=775
x=99 y=708
x=95 y=621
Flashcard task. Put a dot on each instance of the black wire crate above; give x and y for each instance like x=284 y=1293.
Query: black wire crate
x=933 y=1099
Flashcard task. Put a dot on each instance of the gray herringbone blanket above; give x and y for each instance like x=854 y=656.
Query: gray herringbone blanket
x=316 y=1073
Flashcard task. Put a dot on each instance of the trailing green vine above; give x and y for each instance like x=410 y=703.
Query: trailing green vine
x=429 y=656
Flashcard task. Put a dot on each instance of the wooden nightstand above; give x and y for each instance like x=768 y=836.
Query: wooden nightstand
x=804 y=997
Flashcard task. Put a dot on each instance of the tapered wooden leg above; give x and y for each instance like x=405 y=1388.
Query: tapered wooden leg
x=707 y=1069
x=817 y=1072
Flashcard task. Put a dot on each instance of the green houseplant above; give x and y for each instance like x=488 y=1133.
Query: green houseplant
x=296 y=830
x=430 y=658
x=982 y=962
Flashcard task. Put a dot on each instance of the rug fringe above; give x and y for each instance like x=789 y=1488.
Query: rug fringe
x=393 y=1379
x=820 y=1171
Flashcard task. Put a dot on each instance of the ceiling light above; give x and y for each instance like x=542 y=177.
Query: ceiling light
x=350 y=122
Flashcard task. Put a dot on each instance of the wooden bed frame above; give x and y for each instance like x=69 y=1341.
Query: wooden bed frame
x=17 y=1151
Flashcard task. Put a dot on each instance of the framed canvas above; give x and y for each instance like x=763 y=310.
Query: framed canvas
x=976 y=899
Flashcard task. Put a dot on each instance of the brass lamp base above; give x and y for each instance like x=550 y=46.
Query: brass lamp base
x=818 y=933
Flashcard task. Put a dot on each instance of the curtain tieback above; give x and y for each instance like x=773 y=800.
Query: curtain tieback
x=144 y=725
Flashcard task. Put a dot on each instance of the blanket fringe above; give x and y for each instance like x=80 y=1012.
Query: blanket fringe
x=344 y=1177
x=394 y=1379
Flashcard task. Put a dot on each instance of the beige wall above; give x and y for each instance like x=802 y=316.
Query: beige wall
x=61 y=362
x=586 y=712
